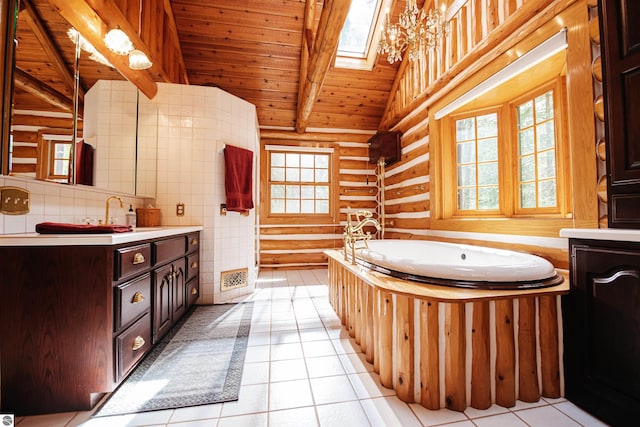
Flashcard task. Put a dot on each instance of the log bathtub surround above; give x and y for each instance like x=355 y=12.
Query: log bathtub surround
x=450 y=347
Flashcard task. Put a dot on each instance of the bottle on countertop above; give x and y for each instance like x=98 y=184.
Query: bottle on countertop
x=131 y=217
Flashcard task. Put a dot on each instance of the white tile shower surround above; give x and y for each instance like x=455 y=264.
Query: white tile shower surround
x=302 y=369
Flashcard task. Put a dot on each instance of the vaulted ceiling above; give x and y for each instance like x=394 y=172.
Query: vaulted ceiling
x=277 y=54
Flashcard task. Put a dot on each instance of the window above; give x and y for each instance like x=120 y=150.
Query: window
x=505 y=157
x=477 y=162
x=299 y=183
x=537 y=152
x=54 y=154
x=60 y=157
x=546 y=135
x=357 y=47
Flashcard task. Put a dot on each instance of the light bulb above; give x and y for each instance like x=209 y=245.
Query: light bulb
x=118 y=42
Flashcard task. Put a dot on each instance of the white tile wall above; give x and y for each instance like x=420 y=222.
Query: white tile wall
x=110 y=127
x=192 y=122
x=61 y=203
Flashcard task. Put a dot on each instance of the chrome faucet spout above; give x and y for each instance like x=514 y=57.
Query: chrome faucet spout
x=106 y=211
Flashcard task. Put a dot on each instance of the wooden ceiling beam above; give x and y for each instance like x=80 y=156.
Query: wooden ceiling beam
x=174 y=29
x=93 y=19
x=307 y=44
x=46 y=41
x=24 y=81
x=334 y=13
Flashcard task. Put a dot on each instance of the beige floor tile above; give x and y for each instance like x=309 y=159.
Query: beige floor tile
x=290 y=394
x=324 y=366
x=332 y=389
x=298 y=417
x=342 y=414
x=251 y=420
x=287 y=370
x=389 y=411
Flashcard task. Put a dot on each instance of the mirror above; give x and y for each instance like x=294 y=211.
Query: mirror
x=42 y=119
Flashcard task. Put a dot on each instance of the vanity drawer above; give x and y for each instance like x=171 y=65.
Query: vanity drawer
x=132 y=260
x=193 y=242
x=193 y=292
x=131 y=300
x=131 y=345
x=170 y=249
x=193 y=265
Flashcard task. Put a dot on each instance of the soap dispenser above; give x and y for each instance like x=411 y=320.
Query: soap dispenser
x=131 y=217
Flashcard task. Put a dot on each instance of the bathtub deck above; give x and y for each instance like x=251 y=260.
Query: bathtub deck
x=443 y=293
x=449 y=347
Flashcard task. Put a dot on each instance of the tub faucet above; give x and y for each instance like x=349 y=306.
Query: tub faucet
x=106 y=211
x=354 y=232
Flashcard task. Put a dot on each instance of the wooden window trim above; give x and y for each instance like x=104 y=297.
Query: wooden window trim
x=580 y=138
x=563 y=193
x=450 y=131
x=291 y=219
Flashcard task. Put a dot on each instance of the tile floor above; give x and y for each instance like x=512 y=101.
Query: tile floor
x=302 y=369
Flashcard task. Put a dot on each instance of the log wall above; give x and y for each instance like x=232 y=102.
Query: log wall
x=24 y=131
x=293 y=244
x=481 y=31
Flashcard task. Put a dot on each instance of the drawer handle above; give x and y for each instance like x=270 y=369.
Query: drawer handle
x=138 y=343
x=137 y=297
x=194 y=291
x=138 y=258
x=194 y=264
x=194 y=241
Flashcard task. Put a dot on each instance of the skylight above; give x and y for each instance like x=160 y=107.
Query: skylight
x=357 y=45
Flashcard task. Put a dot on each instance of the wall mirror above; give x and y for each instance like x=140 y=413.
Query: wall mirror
x=44 y=75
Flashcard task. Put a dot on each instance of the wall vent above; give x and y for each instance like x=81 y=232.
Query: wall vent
x=233 y=279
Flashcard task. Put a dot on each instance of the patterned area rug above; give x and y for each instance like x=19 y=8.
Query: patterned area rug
x=198 y=362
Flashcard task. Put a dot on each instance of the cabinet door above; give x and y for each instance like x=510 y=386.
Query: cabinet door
x=621 y=68
x=179 y=289
x=162 y=314
x=602 y=333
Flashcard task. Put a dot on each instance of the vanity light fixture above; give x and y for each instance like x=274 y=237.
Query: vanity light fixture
x=118 y=42
x=138 y=60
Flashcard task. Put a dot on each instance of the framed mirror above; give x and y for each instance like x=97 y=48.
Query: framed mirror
x=41 y=123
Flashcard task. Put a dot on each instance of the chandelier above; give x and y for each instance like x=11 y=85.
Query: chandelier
x=414 y=32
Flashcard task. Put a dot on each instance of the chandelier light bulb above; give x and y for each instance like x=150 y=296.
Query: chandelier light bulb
x=415 y=31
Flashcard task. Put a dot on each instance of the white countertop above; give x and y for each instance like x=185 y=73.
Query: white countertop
x=616 y=234
x=139 y=233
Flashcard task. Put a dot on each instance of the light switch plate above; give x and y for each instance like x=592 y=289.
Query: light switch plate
x=180 y=209
x=14 y=201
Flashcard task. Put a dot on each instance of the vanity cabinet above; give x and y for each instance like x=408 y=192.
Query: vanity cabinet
x=171 y=295
x=601 y=318
x=77 y=318
x=621 y=83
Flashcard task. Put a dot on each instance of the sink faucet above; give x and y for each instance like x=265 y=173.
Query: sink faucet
x=106 y=215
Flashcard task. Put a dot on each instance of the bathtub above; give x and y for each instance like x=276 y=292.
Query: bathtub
x=463 y=266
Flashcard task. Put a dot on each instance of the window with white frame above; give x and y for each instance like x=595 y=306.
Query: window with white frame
x=299 y=183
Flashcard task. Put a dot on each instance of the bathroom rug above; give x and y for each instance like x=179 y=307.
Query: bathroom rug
x=198 y=362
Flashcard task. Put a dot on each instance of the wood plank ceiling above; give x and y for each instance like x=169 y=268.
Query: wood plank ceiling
x=250 y=49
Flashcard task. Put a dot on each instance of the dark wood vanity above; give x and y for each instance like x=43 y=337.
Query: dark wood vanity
x=76 y=319
x=602 y=324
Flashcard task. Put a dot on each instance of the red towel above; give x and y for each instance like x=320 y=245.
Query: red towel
x=63 y=228
x=238 y=168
